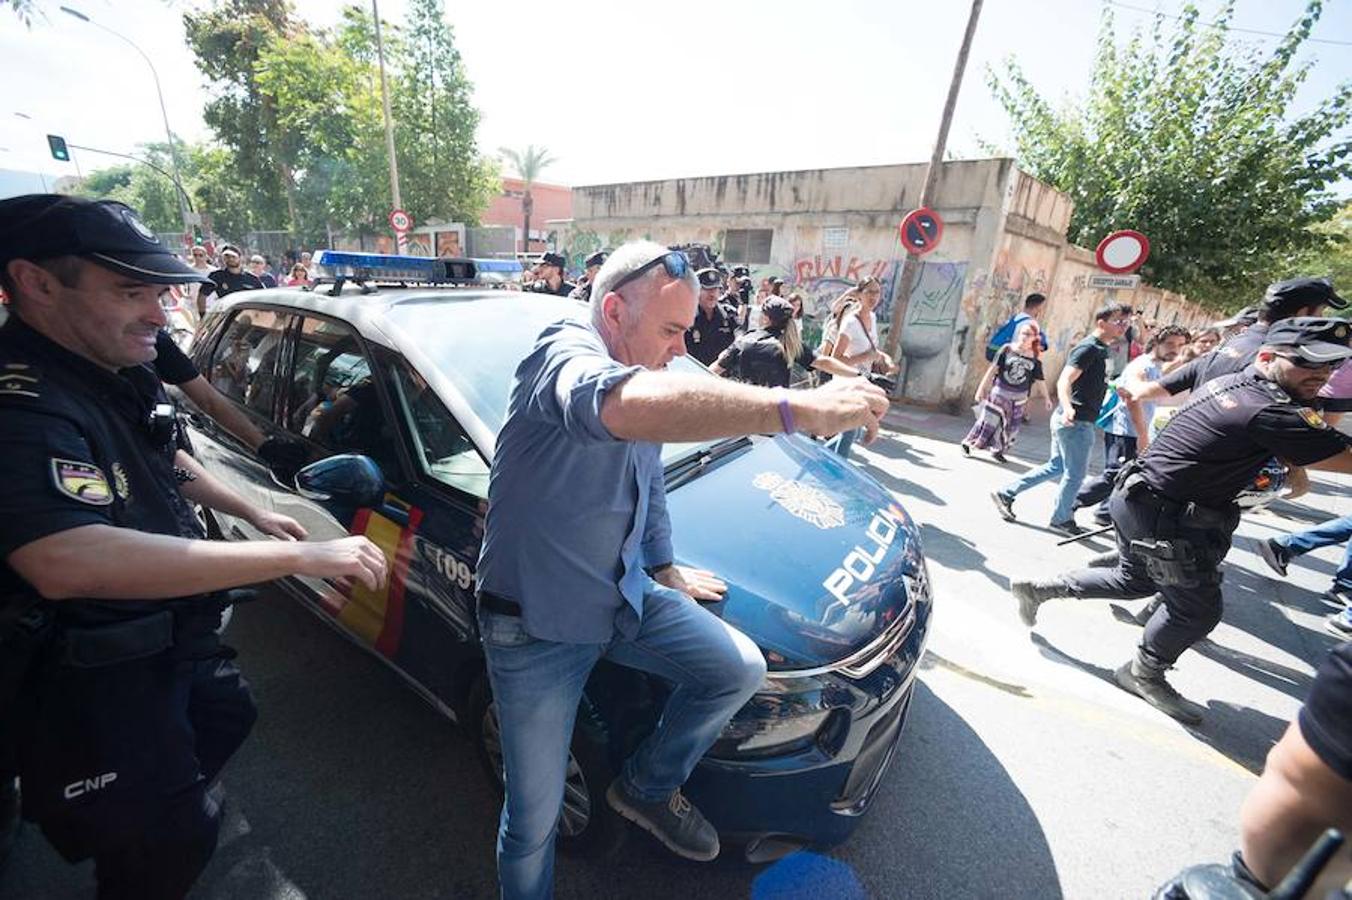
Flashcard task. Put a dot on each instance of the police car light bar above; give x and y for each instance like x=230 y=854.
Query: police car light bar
x=368 y=269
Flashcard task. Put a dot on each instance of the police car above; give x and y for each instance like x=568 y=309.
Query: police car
x=398 y=393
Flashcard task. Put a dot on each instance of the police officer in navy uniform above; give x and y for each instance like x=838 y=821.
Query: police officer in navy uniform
x=116 y=696
x=583 y=290
x=715 y=326
x=551 y=280
x=1174 y=507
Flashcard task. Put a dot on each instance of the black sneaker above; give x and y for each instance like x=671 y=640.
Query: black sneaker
x=1004 y=504
x=966 y=448
x=1275 y=555
x=1153 y=689
x=998 y=456
x=1337 y=598
x=1102 y=519
x=1068 y=528
x=673 y=821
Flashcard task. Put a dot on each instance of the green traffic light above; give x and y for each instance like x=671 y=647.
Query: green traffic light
x=58 y=147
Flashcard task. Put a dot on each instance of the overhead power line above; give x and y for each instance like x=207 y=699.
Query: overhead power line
x=1271 y=34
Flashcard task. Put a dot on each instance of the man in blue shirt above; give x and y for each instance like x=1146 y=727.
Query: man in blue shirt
x=577 y=557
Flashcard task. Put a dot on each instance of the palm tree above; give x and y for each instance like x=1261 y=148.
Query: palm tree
x=528 y=164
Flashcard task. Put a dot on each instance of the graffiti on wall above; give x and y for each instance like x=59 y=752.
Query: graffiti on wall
x=821 y=279
x=936 y=295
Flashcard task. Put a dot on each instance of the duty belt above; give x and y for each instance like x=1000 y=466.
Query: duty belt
x=1187 y=512
x=190 y=634
x=496 y=603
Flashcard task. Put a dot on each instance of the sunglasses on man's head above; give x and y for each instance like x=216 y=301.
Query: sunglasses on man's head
x=673 y=261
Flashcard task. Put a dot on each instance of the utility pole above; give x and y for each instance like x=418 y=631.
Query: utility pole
x=389 y=126
x=910 y=266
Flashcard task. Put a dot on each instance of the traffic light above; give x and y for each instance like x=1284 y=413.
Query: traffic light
x=58 y=146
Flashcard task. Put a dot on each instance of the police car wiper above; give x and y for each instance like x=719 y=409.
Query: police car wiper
x=693 y=465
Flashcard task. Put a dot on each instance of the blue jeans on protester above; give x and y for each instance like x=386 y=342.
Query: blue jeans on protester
x=1118 y=450
x=1334 y=531
x=842 y=442
x=1071 y=446
x=537 y=686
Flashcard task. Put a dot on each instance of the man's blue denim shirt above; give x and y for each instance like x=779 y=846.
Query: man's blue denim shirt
x=574 y=513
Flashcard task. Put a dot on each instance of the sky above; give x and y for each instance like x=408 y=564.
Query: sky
x=625 y=91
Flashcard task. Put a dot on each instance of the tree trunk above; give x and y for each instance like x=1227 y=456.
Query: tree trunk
x=527 y=202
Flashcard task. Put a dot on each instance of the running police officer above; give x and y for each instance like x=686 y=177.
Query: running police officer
x=583 y=290
x=1174 y=507
x=126 y=706
x=550 y=273
x=715 y=325
x=1283 y=300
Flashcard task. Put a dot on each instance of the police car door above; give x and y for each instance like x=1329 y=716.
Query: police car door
x=335 y=402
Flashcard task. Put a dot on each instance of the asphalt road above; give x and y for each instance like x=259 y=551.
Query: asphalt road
x=1023 y=772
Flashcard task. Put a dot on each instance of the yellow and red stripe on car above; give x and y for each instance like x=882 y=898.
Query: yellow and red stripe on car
x=377 y=616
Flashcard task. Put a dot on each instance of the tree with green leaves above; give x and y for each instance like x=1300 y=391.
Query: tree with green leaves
x=440 y=171
x=1189 y=137
x=529 y=163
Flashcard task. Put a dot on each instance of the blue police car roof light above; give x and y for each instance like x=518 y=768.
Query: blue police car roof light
x=368 y=269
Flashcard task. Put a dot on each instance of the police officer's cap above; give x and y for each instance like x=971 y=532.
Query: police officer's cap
x=1246 y=317
x=596 y=259
x=1294 y=293
x=554 y=259
x=42 y=226
x=776 y=281
x=777 y=310
x=709 y=278
x=1319 y=339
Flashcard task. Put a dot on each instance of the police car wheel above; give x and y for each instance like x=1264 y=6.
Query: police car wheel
x=588 y=827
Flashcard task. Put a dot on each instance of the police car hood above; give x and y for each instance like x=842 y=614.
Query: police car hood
x=822 y=564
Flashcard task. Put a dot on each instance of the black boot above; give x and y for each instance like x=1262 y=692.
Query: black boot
x=1145 y=679
x=1032 y=594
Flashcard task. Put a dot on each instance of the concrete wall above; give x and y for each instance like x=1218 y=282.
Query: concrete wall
x=1004 y=238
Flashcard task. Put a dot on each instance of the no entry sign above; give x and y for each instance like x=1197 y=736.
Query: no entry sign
x=1122 y=252
x=921 y=230
x=401 y=221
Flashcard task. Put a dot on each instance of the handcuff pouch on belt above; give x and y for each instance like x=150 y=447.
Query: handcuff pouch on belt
x=1172 y=563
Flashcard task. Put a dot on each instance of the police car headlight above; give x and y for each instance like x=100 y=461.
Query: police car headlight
x=785 y=716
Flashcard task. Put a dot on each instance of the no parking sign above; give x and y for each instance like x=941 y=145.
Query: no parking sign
x=921 y=230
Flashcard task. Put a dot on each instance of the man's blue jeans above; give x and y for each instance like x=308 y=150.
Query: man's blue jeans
x=537 y=686
x=1334 y=531
x=1071 y=446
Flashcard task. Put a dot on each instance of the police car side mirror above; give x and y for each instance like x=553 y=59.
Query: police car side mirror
x=349 y=479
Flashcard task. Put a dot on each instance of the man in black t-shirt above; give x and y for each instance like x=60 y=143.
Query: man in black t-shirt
x=229 y=278
x=1080 y=389
x=1174 y=507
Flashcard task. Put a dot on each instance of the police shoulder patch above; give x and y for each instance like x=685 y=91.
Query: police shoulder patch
x=1312 y=418
x=81 y=481
x=19 y=380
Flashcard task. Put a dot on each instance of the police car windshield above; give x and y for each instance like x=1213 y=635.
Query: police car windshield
x=478 y=342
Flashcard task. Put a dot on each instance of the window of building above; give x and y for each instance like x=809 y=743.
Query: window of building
x=747 y=245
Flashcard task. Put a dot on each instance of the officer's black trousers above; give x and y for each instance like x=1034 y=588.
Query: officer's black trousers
x=116 y=761
x=1188 y=613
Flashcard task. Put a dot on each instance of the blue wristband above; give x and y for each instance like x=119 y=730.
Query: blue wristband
x=786 y=415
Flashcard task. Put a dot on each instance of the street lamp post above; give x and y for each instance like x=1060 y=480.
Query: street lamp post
x=168 y=134
x=389 y=125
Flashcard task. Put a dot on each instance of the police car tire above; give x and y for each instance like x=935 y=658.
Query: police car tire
x=606 y=830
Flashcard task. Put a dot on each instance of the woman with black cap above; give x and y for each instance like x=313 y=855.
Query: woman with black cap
x=765 y=357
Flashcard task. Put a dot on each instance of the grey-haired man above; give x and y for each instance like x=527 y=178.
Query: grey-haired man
x=577 y=555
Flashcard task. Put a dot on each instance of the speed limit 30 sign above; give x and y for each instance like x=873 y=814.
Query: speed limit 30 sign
x=401 y=221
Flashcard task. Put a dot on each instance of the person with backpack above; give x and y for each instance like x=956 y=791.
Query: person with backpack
x=1033 y=305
